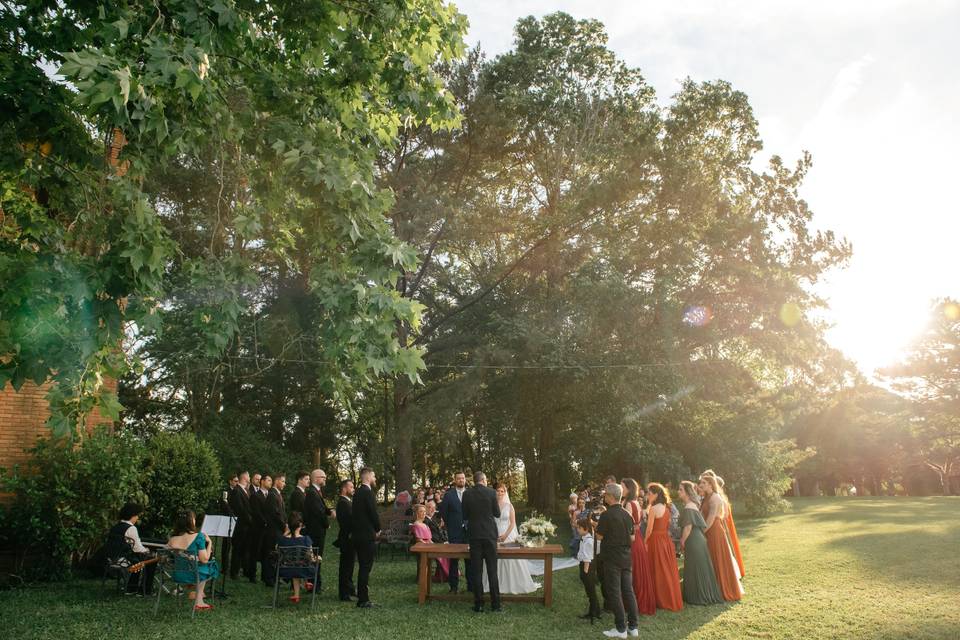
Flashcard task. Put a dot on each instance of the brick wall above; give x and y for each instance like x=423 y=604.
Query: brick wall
x=22 y=419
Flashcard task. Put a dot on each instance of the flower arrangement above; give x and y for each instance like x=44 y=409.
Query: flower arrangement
x=535 y=530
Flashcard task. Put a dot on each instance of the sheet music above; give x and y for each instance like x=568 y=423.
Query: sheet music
x=219 y=526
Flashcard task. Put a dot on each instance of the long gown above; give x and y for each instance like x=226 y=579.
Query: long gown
x=663 y=562
x=724 y=563
x=699 y=584
x=642 y=573
x=513 y=575
x=734 y=539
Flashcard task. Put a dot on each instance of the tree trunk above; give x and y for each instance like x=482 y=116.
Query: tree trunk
x=403 y=437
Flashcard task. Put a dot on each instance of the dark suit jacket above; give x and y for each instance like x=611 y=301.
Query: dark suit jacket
x=274 y=511
x=239 y=502
x=257 y=504
x=344 y=518
x=315 y=513
x=365 y=518
x=451 y=510
x=297 y=500
x=480 y=510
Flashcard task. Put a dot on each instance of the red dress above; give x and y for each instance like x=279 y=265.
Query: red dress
x=734 y=539
x=724 y=562
x=663 y=562
x=642 y=575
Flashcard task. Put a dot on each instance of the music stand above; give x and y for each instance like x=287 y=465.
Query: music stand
x=220 y=527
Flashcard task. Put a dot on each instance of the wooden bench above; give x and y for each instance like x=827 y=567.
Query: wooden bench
x=430 y=551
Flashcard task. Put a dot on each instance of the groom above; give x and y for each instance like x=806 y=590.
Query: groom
x=480 y=511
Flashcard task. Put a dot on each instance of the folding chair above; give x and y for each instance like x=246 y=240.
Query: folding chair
x=177 y=561
x=297 y=557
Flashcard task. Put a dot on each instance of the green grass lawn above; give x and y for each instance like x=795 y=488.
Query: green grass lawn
x=830 y=568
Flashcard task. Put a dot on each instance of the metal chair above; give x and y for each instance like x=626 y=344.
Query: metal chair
x=171 y=563
x=398 y=536
x=118 y=570
x=297 y=557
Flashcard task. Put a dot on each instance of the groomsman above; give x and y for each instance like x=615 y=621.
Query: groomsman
x=344 y=542
x=366 y=526
x=239 y=501
x=275 y=513
x=451 y=510
x=316 y=513
x=299 y=493
x=257 y=528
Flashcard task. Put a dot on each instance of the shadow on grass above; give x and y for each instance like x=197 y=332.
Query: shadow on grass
x=915 y=556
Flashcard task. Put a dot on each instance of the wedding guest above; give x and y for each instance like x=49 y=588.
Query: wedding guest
x=433 y=521
x=731 y=527
x=124 y=547
x=298 y=496
x=588 y=568
x=643 y=586
x=699 y=579
x=451 y=510
x=421 y=497
x=366 y=527
x=239 y=501
x=663 y=555
x=186 y=538
x=295 y=538
x=345 y=587
x=616 y=533
x=316 y=513
x=421 y=533
x=572 y=518
x=724 y=563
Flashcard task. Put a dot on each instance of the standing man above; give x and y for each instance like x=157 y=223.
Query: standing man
x=451 y=510
x=275 y=513
x=366 y=527
x=480 y=511
x=344 y=542
x=239 y=501
x=616 y=532
x=257 y=528
x=299 y=494
x=316 y=513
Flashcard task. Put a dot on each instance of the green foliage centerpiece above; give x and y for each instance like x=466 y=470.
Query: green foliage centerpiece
x=535 y=530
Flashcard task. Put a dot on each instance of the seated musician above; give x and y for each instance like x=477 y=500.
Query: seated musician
x=125 y=548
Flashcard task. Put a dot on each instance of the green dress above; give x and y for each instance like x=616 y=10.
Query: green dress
x=699 y=580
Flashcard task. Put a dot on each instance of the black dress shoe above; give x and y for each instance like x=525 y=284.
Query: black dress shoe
x=346 y=599
x=366 y=605
x=453 y=589
x=586 y=616
x=497 y=609
x=478 y=608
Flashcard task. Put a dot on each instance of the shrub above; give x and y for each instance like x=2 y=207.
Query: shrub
x=182 y=472
x=762 y=475
x=67 y=497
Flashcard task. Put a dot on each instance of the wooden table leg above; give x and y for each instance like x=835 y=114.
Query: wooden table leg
x=424 y=578
x=548 y=580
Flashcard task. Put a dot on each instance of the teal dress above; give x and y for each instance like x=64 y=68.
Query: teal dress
x=183 y=573
x=699 y=580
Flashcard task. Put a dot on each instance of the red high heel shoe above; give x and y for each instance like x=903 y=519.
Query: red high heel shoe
x=202 y=607
x=295 y=599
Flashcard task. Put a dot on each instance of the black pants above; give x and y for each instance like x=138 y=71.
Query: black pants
x=622 y=599
x=345 y=585
x=603 y=583
x=589 y=580
x=365 y=549
x=268 y=571
x=484 y=553
x=237 y=549
x=252 y=552
x=453 y=577
x=142 y=581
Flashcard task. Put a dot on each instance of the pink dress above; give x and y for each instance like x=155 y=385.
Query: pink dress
x=422 y=533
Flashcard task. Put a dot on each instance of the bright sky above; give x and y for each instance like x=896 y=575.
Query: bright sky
x=870 y=87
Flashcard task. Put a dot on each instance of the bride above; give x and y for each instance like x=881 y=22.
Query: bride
x=514 y=575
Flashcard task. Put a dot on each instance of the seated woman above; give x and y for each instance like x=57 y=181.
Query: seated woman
x=294 y=538
x=186 y=538
x=421 y=533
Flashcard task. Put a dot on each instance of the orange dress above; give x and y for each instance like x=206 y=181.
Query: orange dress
x=734 y=540
x=724 y=564
x=663 y=561
x=642 y=572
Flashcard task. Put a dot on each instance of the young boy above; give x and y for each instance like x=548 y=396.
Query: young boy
x=588 y=568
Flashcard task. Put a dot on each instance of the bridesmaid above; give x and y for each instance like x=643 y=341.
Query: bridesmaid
x=642 y=573
x=699 y=580
x=731 y=527
x=724 y=564
x=660 y=547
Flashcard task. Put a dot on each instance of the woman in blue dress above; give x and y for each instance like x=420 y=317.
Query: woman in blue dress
x=293 y=538
x=186 y=538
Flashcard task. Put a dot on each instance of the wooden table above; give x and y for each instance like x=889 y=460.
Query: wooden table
x=429 y=551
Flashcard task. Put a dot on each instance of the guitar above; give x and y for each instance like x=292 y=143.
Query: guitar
x=138 y=567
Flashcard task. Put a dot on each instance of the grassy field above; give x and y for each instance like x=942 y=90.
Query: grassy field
x=830 y=568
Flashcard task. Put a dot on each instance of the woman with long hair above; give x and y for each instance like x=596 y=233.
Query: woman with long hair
x=642 y=573
x=718 y=543
x=186 y=538
x=699 y=584
x=662 y=552
x=731 y=527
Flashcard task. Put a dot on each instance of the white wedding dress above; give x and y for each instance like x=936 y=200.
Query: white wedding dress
x=513 y=575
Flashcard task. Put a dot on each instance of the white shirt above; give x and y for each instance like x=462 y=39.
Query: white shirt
x=460 y=494
x=585 y=554
x=133 y=536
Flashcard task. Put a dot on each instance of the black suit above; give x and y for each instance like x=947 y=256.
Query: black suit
x=480 y=511
x=257 y=532
x=239 y=502
x=316 y=517
x=365 y=521
x=346 y=587
x=297 y=497
x=275 y=515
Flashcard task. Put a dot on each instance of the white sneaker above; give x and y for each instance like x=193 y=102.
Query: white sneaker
x=633 y=633
x=613 y=633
